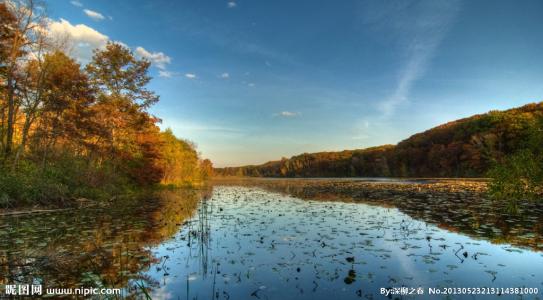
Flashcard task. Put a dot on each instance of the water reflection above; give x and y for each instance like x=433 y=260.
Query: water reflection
x=108 y=246
x=263 y=245
x=236 y=242
x=456 y=211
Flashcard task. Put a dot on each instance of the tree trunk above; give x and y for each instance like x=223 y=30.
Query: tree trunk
x=21 y=148
x=2 y=127
x=11 y=114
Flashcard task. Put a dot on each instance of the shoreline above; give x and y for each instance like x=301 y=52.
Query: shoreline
x=84 y=203
x=373 y=188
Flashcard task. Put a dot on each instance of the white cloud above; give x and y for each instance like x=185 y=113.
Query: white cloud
x=165 y=74
x=251 y=84
x=83 y=37
x=416 y=27
x=96 y=16
x=82 y=40
x=80 y=33
x=159 y=59
x=232 y=4
x=287 y=114
x=225 y=75
x=190 y=76
x=122 y=44
x=76 y=3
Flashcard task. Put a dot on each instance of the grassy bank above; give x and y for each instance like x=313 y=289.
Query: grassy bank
x=72 y=184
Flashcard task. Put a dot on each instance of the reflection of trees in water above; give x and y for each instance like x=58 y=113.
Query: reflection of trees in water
x=204 y=212
x=199 y=233
x=93 y=247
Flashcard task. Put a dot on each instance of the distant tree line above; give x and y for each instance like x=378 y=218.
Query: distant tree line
x=71 y=131
x=506 y=145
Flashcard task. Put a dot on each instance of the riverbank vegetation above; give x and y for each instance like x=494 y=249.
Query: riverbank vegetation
x=504 y=145
x=69 y=131
x=519 y=177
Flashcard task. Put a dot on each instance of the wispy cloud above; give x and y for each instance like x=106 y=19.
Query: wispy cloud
x=225 y=75
x=166 y=74
x=417 y=27
x=96 y=16
x=195 y=127
x=361 y=130
x=361 y=137
x=76 y=3
x=159 y=59
x=190 y=76
x=232 y=4
x=287 y=114
x=227 y=37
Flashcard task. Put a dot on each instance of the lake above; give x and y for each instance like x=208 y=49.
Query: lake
x=247 y=242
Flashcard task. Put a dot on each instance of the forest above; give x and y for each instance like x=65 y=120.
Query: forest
x=504 y=145
x=69 y=131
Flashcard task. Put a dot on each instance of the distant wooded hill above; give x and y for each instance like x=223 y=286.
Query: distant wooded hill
x=463 y=148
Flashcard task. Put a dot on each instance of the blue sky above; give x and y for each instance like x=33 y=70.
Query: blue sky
x=250 y=80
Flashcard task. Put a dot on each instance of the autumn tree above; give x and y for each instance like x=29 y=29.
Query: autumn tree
x=67 y=131
x=121 y=77
x=22 y=30
x=179 y=160
x=8 y=24
x=123 y=98
x=146 y=165
x=206 y=167
x=65 y=106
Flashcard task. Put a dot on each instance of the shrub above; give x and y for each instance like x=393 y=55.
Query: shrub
x=519 y=178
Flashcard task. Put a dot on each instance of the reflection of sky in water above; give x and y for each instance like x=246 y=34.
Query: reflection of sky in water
x=262 y=245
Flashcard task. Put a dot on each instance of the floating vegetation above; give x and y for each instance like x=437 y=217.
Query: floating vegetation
x=351 y=277
x=318 y=249
x=454 y=205
x=93 y=247
x=238 y=242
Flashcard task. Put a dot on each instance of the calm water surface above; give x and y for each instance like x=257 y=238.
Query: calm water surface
x=248 y=243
